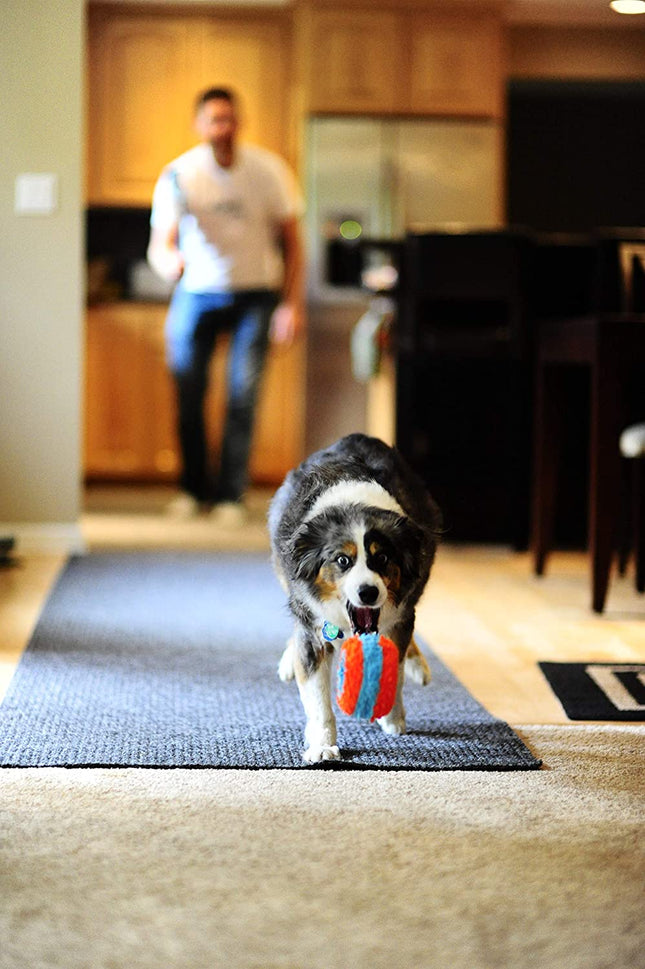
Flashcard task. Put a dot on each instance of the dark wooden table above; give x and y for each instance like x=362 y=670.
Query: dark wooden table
x=613 y=347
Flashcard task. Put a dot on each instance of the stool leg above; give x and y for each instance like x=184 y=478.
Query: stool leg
x=547 y=447
x=639 y=521
x=604 y=487
x=625 y=537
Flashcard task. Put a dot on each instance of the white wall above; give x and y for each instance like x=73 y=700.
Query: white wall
x=41 y=274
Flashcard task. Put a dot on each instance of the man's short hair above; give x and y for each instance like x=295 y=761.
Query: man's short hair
x=215 y=94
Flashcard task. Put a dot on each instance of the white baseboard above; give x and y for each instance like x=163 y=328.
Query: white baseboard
x=44 y=538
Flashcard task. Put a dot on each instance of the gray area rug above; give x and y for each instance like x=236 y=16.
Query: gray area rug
x=169 y=660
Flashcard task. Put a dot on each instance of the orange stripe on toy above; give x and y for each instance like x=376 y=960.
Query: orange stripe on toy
x=350 y=674
x=389 y=679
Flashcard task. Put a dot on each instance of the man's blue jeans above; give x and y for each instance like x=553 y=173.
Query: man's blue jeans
x=193 y=324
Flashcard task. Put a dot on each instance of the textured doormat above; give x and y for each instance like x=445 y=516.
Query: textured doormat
x=169 y=660
x=598 y=691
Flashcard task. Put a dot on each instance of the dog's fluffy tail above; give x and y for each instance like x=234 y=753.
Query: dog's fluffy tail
x=416 y=665
x=286 y=667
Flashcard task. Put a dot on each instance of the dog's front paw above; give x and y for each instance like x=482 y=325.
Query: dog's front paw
x=317 y=753
x=392 y=724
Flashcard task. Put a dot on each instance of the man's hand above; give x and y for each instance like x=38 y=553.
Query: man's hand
x=287 y=323
x=289 y=317
x=174 y=266
x=164 y=255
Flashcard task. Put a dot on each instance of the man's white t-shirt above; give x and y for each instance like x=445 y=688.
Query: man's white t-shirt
x=228 y=217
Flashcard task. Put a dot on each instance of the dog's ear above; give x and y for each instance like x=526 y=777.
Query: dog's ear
x=413 y=548
x=307 y=551
x=409 y=543
x=418 y=547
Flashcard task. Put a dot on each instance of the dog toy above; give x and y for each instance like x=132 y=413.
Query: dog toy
x=368 y=670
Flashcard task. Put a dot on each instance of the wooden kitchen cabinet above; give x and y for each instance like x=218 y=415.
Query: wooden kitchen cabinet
x=355 y=61
x=455 y=65
x=394 y=57
x=144 y=72
x=130 y=404
x=139 y=103
x=251 y=56
x=402 y=58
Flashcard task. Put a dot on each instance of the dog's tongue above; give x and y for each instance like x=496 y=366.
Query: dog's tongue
x=366 y=620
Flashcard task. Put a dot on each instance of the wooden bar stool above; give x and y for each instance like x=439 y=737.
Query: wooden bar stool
x=613 y=348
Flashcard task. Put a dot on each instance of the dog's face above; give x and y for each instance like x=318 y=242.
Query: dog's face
x=355 y=566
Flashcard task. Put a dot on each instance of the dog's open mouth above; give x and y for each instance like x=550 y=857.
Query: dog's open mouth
x=363 y=619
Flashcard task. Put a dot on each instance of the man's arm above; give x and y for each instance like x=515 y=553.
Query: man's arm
x=164 y=255
x=289 y=317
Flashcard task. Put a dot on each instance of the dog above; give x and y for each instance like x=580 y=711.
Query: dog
x=353 y=538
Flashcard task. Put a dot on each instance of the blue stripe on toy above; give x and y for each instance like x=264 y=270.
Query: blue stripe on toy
x=341 y=673
x=372 y=669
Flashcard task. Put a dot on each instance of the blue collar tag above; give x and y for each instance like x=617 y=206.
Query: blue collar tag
x=331 y=632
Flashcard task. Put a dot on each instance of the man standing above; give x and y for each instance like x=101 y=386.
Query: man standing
x=225 y=228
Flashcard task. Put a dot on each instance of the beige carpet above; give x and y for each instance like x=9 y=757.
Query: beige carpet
x=153 y=869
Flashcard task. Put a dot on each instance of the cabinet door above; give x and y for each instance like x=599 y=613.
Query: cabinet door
x=251 y=57
x=129 y=399
x=355 y=61
x=455 y=66
x=144 y=75
x=140 y=104
x=279 y=432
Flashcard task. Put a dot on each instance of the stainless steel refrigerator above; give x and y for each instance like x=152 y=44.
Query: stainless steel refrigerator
x=381 y=178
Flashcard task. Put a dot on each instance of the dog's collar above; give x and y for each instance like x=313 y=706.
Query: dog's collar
x=331 y=632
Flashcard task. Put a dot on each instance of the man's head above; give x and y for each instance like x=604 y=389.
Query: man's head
x=217 y=122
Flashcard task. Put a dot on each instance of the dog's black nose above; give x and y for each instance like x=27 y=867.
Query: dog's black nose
x=368 y=594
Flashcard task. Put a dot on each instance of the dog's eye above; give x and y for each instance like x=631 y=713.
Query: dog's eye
x=343 y=562
x=380 y=560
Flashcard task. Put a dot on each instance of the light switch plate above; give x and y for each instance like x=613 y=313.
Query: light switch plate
x=36 y=193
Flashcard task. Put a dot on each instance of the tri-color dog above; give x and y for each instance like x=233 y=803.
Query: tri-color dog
x=353 y=535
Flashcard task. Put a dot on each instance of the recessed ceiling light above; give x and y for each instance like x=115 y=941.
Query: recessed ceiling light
x=628 y=6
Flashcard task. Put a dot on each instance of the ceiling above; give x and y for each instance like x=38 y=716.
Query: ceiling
x=572 y=12
x=580 y=12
